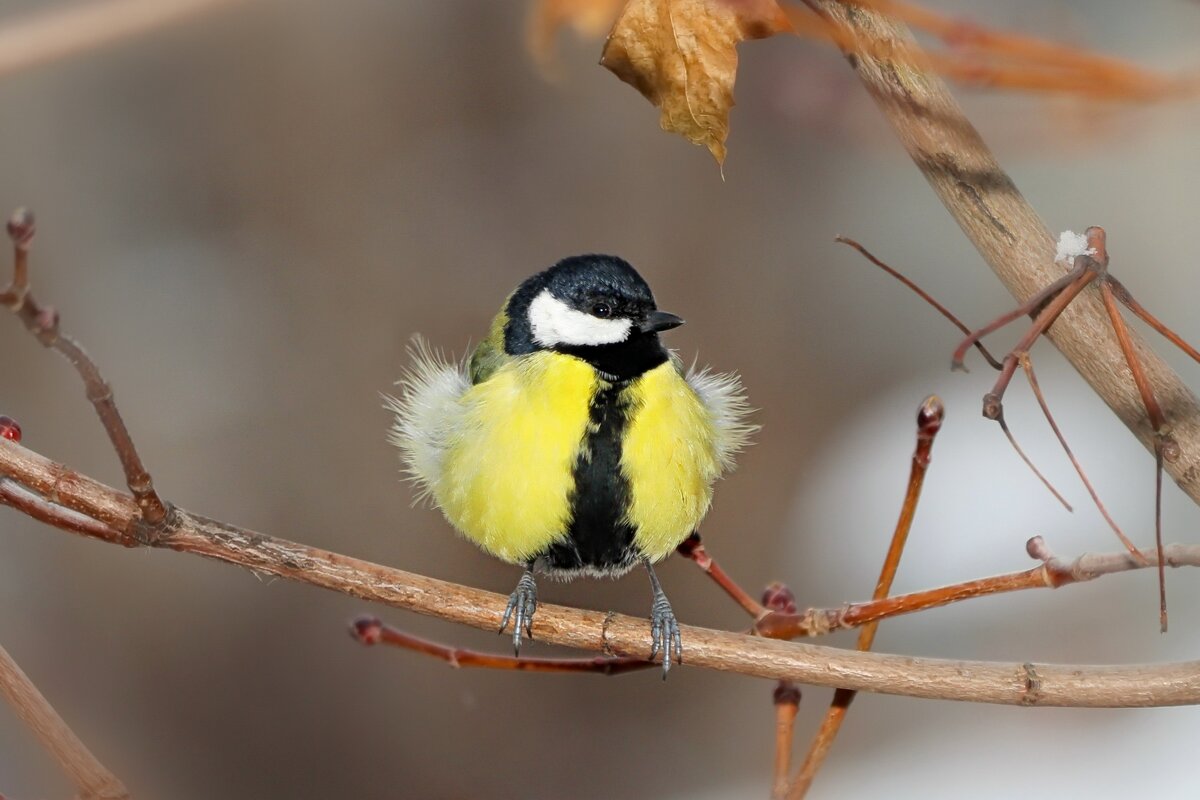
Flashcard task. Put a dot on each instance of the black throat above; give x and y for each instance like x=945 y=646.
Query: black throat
x=600 y=538
x=622 y=361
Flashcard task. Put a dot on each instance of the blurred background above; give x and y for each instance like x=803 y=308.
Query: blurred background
x=245 y=218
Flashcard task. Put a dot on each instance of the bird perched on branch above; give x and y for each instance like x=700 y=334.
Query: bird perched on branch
x=572 y=442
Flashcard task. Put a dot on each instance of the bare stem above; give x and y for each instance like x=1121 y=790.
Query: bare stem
x=693 y=550
x=48 y=36
x=371 y=631
x=929 y=421
x=92 y=778
x=924 y=295
x=42 y=322
x=1031 y=376
x=1053 y=573
x=787 y=705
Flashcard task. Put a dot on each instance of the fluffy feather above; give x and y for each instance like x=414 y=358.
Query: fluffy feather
x=722 y=394
x=427 y=413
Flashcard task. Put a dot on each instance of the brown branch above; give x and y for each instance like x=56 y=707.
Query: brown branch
x=787 y=705
x=693 y=550
x=921 y=293
x=48 y=36
x=371 y=631
x=91 y=778
x=1062 y=685
x=930 y=416
x=42 y=322
x=25 y=501
x=1004 y=228
x=1053 y=573
x=1036 y=387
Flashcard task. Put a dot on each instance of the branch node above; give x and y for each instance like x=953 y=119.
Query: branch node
x=1031 y=693
x=605 y=647
x=1097 y=240
x=143 y=532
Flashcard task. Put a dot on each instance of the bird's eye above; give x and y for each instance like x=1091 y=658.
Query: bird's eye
x=602 y=310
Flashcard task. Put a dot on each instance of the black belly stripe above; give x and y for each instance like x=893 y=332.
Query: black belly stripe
x=599 y=537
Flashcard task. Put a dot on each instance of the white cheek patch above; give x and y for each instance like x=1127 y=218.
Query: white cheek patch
x=555 y=323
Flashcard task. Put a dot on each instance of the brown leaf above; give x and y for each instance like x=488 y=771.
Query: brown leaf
x=681 y=55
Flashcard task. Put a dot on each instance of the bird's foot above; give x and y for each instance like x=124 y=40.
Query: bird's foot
x=522 y=604
x=664 y=632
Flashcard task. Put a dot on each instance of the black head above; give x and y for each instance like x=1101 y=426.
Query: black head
x=594 y=307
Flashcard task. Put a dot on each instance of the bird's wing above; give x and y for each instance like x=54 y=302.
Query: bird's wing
x=725 y=401
x=427 y=412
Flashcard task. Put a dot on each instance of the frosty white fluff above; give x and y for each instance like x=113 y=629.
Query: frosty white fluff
x=1071 y=244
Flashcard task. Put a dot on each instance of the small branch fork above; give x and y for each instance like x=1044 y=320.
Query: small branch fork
x=1045 y=307
x=43 y=323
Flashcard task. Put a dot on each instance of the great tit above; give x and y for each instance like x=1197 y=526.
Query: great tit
x=572 y=442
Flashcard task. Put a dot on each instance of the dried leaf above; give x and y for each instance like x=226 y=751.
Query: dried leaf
x=589 y=18
x=681 y=55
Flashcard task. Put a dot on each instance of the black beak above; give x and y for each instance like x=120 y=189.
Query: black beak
x=660 y=321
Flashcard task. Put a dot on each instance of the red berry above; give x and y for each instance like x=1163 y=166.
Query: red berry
x=9 y=429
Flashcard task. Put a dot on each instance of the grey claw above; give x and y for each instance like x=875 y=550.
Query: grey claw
x=664 y=634
x=522 y=604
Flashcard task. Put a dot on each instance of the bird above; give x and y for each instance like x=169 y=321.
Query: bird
x=572 y=442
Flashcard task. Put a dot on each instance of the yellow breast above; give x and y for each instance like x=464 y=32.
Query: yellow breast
x=508 y=478
x=670 y=458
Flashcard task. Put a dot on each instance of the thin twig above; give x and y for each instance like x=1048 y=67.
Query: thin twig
x=369 y=631
x=43 y=323
x=1154 y=322
x=90 y=777
x=921 y=293
x=1031 y=376
x=787 y=704
x=1159 y=423
x=997 y=61
x=930 y=416
x=15 y=496
x=1064 y=60
x=47 y=36
x=693 y=550
x=1134 y=685
x=1012 y=440
x=1053 y=573
x=1033 y=305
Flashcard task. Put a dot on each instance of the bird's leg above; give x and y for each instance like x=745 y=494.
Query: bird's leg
x=664 y=629
x=522 y=604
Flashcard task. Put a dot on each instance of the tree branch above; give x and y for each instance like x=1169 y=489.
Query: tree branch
x=43 y=322
x=1052 y=573
x=1004 y=228
x=63 y=32
x=1013 y=684
x=92 y=778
